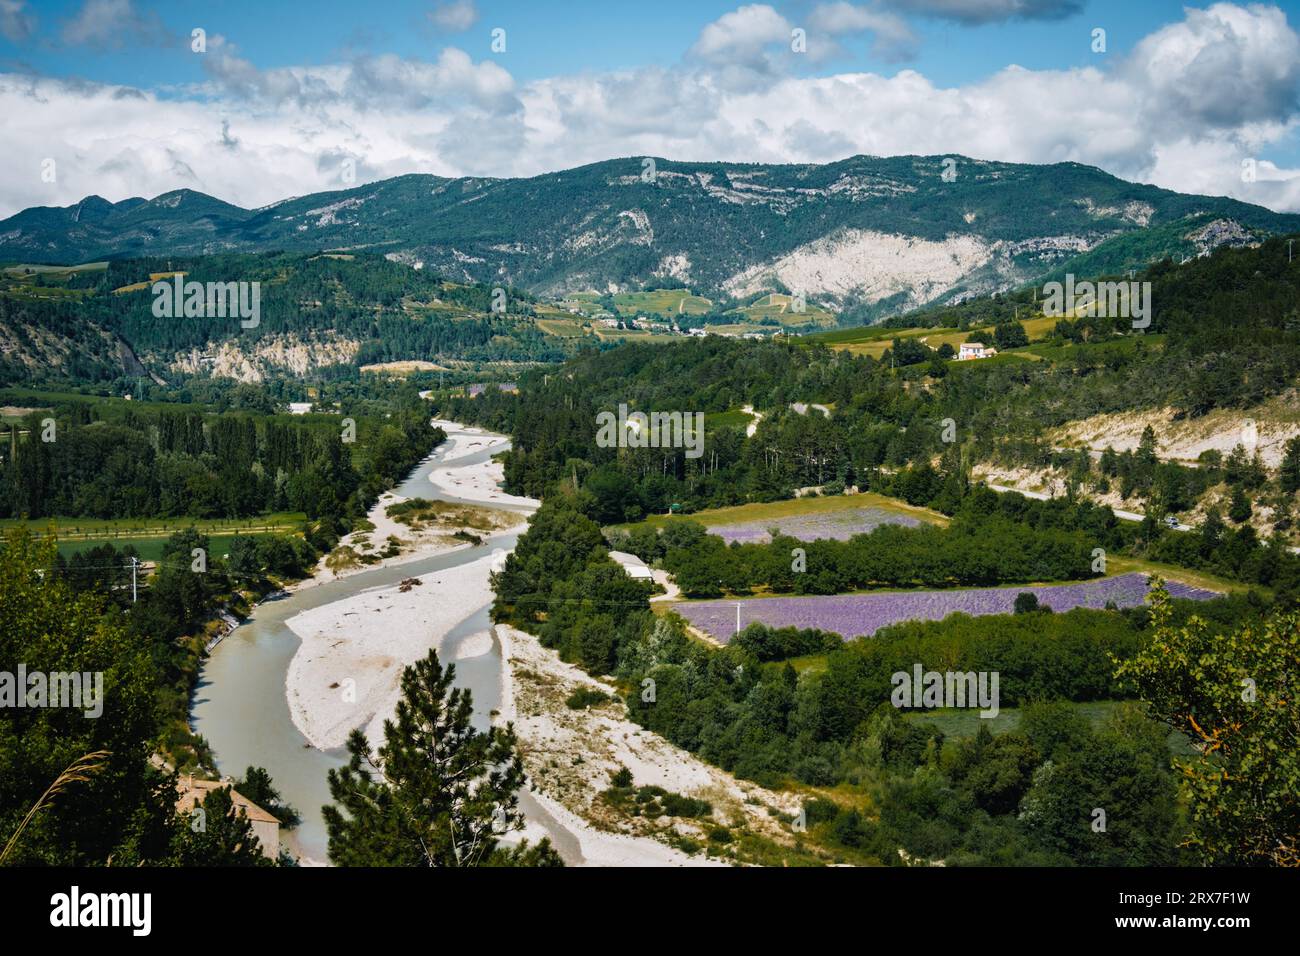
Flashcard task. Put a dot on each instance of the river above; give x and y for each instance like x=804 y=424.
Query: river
x=240 y=705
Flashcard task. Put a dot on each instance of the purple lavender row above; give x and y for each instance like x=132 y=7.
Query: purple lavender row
x=854 y=615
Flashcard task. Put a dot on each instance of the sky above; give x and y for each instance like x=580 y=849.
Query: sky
x=254 y=102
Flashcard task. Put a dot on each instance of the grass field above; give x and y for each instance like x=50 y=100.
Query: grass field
x=1099 y=351
x=21 y=281
x=562 y=328
x=776 y=306
x=632 y=335
x=148 y=535
x=24 y=267
x=1197 y=579
x=663 y=301
x=731 y=419
x=874 y=340
x=963 y=723
x=793 y=507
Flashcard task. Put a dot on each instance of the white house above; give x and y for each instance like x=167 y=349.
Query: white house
x=632 y=566
x=299 y=408
x=976 y=350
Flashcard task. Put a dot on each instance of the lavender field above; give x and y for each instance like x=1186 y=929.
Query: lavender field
x=841 y=525
x=852 y=615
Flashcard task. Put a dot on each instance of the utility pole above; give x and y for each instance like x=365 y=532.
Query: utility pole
x=134 y=564
x=1288 y=250
x=737 y=618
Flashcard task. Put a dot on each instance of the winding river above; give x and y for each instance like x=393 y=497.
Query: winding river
x=240 y=705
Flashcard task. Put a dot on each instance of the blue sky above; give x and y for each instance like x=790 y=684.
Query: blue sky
x=288 y=95
x=549 y=38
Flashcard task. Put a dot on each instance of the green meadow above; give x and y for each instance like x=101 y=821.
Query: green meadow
x=148 y=536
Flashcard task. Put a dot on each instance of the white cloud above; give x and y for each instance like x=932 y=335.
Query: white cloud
x=113 y=23
x=16 y=24
x=255 y=136
x=382 y=83
x=455 y=16
x=1221 y=67
x=893 y=38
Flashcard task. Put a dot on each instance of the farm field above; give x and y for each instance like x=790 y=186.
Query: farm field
x=767 y=513
x=148 y=536
x=874 y=340
x=862 y=614
x=29 y=281
x=566 y=328
x=403 y=368
x=24 y=268
x=1099 y=351
x=663 y=301
x=45 y=399
x=776 y=306
x=840 y=525
x=632 y=335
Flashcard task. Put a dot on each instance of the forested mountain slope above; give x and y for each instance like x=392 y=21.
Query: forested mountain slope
x=878 y=234
x=315 y=312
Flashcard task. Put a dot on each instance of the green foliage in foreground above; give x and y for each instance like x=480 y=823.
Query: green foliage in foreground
x=1234 y=695
x=100 y=798
x=437 y=793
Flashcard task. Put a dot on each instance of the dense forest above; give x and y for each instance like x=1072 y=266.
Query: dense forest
x=130 y=460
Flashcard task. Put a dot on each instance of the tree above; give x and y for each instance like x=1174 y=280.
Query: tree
x=1010 y=335
x=1234 y=696
x=219 y=835
x=1026 y=602
x=1146 y=451
x=1212 y=529
x=1112 y=801
x=257 y=786
x=242 y=557
x=1289 y=475
x=52 y=629
x=1239 y=508
x=996 y=770
x=437 y=793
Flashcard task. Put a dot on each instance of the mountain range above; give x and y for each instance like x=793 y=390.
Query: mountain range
x=867 y=235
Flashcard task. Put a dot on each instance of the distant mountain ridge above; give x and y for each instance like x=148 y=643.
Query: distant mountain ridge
x=868 y=234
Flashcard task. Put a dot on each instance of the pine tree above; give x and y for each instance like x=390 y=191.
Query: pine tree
x=1289 y=475
x=1239 y=508
x=437 y=793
